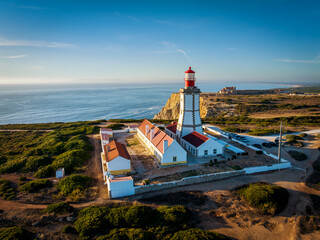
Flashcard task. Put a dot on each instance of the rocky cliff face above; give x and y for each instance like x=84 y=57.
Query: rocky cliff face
x=209 y=107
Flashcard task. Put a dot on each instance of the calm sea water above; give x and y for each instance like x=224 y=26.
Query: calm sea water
x=63 y=103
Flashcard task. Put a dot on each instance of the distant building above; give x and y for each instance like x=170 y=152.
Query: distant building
x=108 y=131
x=167 y=150
x=227 y=90
x=60 y=173
x=133 y=128
x=116 y=158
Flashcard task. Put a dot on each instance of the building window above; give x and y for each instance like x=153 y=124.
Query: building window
x=214 y=151
x=205 y=152
x=174 y=159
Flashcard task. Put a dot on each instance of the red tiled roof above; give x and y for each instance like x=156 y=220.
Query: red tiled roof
x=106 y=129
x=159 y=136
x=120 y=179
x=195 y=138
x=172 y=127
x=116 y=149
x=142 y=126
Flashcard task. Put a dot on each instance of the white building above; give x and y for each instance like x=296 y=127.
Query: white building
x=133 y=128
x=167 y=150
x=188 y=130
x=107 y=131
x=60 y=173
x=116 y=158
x=120 y=187
x=104 y=139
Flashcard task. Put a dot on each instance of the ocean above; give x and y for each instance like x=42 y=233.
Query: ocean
x=66 y=103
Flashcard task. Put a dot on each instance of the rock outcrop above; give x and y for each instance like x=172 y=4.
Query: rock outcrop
x=209 y=107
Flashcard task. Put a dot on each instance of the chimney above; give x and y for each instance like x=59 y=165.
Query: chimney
x=151 y=134
x=165 y=145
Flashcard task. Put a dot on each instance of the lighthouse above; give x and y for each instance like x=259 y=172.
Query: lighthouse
x=189 y=116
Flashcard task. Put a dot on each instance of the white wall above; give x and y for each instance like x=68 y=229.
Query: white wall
x=210 y=145
x=119 y=163
x=120 y=189
x=174 y=150
x=277 y=166
x=188 y=101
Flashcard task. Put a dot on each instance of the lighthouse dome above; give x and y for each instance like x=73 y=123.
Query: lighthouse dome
x=189 y=71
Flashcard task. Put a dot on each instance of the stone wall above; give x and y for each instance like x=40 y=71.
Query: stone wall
x=188 y=181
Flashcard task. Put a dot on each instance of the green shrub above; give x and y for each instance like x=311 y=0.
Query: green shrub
x=175 y=215
x=139 y=216
x=116 y=126
x=58 y=208
x=78 y=144
x=262 y=132
x=33 y=163
x=69 y=229
x=299 y=156
x=70 y=160
x=23 y=178
x=15 y=233
x=128 y=234
x=318 y=136
x=13 y=165
x=116 y=217
x=92 y=220
x=269 y=199
x=45 y=172
x=73 y=182
x=36 y=185
x=302 y=135
x=292 y=138
x=197 y=234
x=7 y=190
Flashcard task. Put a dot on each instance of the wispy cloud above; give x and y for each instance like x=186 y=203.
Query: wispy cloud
x=171 y=48
x=13 y=57
x=231 y=49
x=315 y=60
x=32 y=7
x=134 y=19
x=26 y=43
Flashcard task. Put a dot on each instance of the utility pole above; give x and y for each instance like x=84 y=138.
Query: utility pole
x=280 y=144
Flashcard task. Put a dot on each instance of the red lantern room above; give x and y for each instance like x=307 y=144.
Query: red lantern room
x=189 y=78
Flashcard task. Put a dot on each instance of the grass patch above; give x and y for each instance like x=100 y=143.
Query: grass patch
x=116 y=126
x=7 y=191
x=268 y=199
x=36 y=185
x=299 y=156
x=262 y=131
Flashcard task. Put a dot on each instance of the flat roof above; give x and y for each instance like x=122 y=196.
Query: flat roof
x=121 y=179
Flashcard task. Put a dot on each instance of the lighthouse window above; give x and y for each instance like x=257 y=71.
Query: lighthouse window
x=205 y=152
x=214 y=151
x=174 y=159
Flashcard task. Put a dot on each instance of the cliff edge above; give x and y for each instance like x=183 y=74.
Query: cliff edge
x=209 y=107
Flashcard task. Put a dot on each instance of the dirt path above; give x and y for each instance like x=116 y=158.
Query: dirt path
x=95 y=168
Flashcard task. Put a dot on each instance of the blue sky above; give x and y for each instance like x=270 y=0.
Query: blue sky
x=44 y=41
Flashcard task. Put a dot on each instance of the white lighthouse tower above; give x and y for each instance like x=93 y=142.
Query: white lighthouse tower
x=189 y=116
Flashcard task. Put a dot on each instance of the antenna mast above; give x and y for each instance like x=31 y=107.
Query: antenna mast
x=280 y=144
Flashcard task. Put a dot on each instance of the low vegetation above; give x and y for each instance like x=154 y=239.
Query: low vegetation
x=36 y=185
x=59 y=208
x=73 y=183
x=44 y=152
x=268 y=199
x=7 y=190
x=138 y=222
x=15 y=233
x=116 y=126
x=299 y=156
x=262 y=131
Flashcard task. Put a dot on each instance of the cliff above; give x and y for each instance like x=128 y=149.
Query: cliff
x=209 y=107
